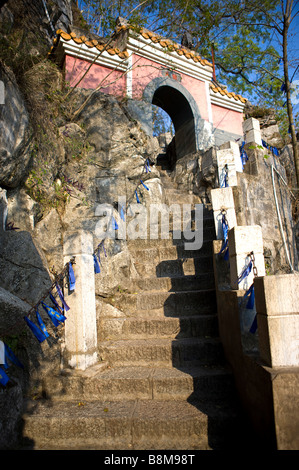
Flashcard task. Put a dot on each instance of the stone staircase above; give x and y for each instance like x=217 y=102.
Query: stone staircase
x=162 y=382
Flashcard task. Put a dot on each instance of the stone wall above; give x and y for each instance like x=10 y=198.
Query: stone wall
x=255 y=204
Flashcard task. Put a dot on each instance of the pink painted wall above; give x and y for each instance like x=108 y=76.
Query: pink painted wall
x=197 y=89
x=227 y=120
x=113 y=82
x=145 y=70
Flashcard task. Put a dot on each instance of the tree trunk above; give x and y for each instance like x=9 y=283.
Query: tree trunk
x=286 y=23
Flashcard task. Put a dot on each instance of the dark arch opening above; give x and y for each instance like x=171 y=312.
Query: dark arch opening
x=174 y=103
x=181 y=107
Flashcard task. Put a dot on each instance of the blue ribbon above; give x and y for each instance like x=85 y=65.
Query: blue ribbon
x=245 y=272
x=35 y=330
x=56 y=317
x=66 y=307
x=253 y=327
x=269 y=147
x=251 y=296
x=12 y=357
x=122 y=213
x=224 y=247
x=56 y=304
x=3 y=377
x=96 y=265
x=147 y=166
x=114 y=224
x=144 y=185
x=137 y=198
x=243 y=154
x=72 y=279
x=41 y=324
x=102 y=245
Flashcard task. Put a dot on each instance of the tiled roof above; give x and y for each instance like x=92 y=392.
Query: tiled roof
x=89 y=43
x=172 y=46
x=224 y=92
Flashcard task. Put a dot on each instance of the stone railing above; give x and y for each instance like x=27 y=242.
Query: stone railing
x=272 y=348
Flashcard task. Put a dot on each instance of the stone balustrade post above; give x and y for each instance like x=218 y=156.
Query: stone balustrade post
x=222 y=198
x=226 y=167
x=242 y=240
x=278 y=319
x=252 y=132
x=234 y=149
x=80 y=326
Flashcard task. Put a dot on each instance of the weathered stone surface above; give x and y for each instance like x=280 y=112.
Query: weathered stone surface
x=14 y=126
x=23 y=267
x=21 y=210
x=272 y=136
x=255 y=205
x=12 y=311
x=48 y=233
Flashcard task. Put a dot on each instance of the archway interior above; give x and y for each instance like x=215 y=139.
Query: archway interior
x=174 y=103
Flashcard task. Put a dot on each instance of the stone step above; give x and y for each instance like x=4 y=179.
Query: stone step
x=143 y=383
x=209 y=234
x=168 y=284
x=128 y=425
x=133 y=425
x=183 y=352
x=141 y=328
x=175 y=268
x=173 y=304
x=157 y=254
x=175 y=196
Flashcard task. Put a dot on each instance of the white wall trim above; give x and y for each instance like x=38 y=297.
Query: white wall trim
x=170 y=59
x=86 y=53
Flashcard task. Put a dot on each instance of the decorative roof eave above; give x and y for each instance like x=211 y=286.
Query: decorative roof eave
x=169 y=54
x=220 y=96
x=172 y=46
x=87 y=49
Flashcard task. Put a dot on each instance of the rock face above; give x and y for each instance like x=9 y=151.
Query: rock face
x=23 y=268
x=14 y=128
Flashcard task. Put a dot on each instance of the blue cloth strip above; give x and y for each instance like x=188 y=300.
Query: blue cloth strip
x=137 y=198
x=66 y=307
x=3 y=377
x=144 y=185
x=56 y=317
x=243 y=154
x=122 y=213
x=56 y=304
x=72 y=279
x=245 y=272
x=226 y=254
x=114 y=224
x=104 y=250
x=253 y=327
x=251 y=296
x=96 y=265
x=12 y=357
x=41 y=324
x=35 y=330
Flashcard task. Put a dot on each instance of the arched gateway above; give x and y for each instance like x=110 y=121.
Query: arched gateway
x=146 y=69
